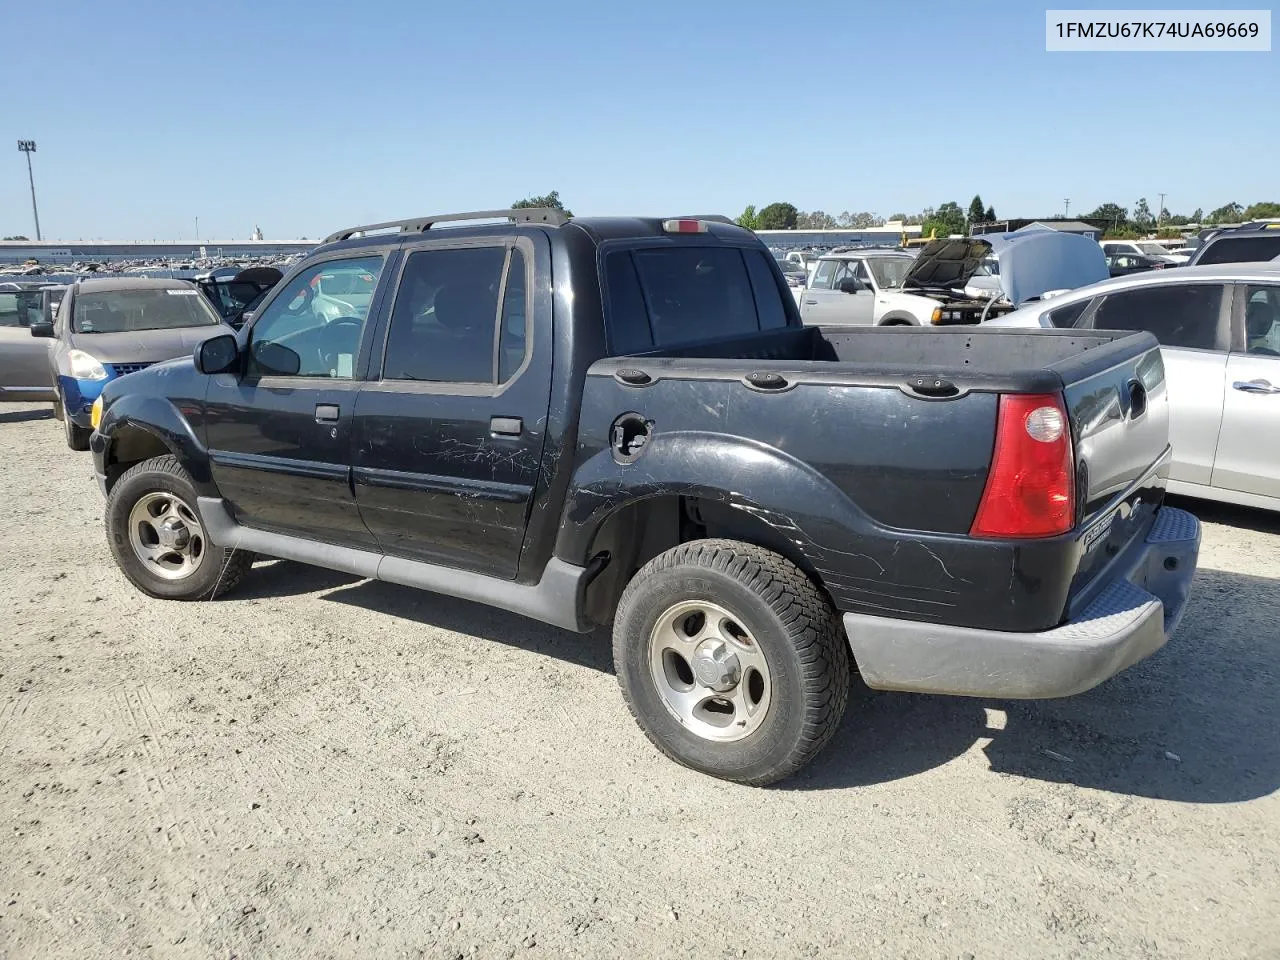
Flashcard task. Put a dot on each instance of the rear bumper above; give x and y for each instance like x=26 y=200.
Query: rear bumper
x=1129 y=620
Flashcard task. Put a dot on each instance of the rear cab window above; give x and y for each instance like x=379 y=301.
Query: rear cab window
x=666 y=296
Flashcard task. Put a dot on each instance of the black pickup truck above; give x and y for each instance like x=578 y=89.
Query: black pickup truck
x=595 y=421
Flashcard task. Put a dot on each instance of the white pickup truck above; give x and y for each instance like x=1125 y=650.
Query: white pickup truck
x=962 y=280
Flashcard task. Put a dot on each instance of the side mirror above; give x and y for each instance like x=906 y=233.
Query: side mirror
x=852 y=285
x=42 y=328
x=275 y=359
x=217 y=354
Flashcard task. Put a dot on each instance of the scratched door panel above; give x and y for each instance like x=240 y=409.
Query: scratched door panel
x=446 y=472
x=434 y=482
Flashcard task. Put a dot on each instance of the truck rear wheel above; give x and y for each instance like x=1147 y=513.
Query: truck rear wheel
x=157 y=538
x=731 y=660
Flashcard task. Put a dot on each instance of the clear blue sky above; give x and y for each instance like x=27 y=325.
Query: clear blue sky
x=304 y=117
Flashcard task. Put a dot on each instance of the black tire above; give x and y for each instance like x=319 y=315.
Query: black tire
x=77 y=437
x=57 y=409
x=219 y=569
x=788 y=618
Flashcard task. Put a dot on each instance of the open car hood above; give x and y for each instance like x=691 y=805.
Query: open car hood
x=1031 y=262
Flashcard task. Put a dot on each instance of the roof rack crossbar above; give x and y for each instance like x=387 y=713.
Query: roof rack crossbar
x=548 y=215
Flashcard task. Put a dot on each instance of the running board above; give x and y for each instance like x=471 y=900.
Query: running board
x=558 y=598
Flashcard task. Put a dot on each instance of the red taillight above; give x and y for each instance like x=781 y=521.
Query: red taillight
x=1031 y=487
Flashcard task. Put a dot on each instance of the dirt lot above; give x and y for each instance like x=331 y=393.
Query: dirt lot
x=318 y=766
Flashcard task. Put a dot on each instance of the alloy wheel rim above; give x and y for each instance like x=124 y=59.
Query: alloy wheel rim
x=166 y=536
x=709 y=671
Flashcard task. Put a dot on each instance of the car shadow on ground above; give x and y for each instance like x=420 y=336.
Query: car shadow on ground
x=1195 y=722
x=283 y=578
x=25 y=416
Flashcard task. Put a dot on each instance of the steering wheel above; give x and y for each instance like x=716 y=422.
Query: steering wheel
x=329 y=360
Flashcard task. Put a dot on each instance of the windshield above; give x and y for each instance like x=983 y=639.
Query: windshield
x=1153 y=249
x=889 y=271
x=120 y=311
x=333 y=283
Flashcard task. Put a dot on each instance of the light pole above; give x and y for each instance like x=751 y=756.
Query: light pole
x=1066 y=208
x=197 y=231
x=1159 y=213
x=29 y=147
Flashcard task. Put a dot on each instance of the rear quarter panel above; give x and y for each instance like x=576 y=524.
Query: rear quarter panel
x=852 y=479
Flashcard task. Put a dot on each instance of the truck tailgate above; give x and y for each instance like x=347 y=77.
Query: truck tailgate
x=1120 y=427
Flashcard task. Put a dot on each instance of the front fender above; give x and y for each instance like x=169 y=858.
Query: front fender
x=162 y=419
x=798 y=502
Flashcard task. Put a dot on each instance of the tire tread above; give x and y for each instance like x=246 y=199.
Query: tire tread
x=805 y=613
x=233 y=564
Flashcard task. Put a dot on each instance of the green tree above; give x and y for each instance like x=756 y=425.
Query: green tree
x=898 y=216
x=990 y=215
x=551 y=200
x=977 y=212
x=948 y=219
x=19 y=237
x=1227 y=213
x=748 y=218
x=778 y=216
x=1114 y=214
x=1262 y=211
x=1197 y=215
x=817 y=220
x=1142 y=218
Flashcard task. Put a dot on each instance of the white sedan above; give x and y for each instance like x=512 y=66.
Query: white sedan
x=1219 y=329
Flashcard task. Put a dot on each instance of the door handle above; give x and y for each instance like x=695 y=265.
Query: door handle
x=327 y=413
x=1255 y=386
x=812 y=302
x=506 y=426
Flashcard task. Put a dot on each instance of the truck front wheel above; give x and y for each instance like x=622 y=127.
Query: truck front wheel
x=731 y=660
x=158 y=541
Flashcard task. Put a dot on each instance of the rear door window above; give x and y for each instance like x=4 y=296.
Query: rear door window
x=1262 y=321
x=1179 y=314
x=667 y=296
x=1242 y=250
x=446 y=317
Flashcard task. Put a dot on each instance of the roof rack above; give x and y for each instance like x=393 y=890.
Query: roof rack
x=547 y=215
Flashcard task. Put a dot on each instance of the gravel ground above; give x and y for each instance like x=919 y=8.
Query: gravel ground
x=319 y=766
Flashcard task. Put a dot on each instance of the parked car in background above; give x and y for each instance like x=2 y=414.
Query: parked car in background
x=231 y=291
x=1141 y=248
x=24 y=362
x=794 y=272
x=614 y=448
x=1243 y=245
x=956 y=281
x=1123 y=264
x=109 y=328
x=1219 y=330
